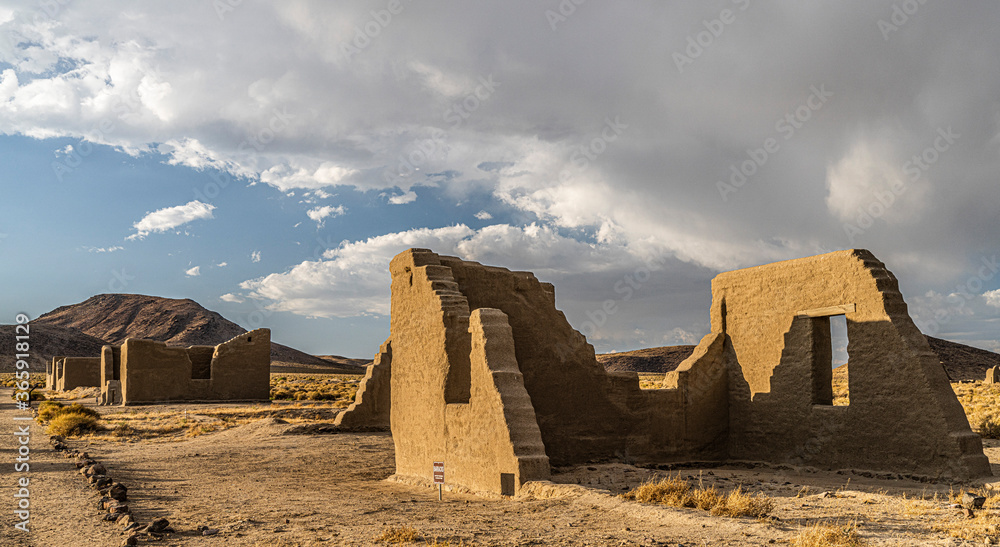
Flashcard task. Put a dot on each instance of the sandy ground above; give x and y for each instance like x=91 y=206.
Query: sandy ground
x=259 y=485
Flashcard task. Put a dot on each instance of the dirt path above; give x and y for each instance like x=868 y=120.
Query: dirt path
x=259 y=485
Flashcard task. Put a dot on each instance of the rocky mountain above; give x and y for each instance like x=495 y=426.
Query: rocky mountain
x=962 y=362
x=81 y=329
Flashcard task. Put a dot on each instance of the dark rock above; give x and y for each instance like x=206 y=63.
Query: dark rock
x=109 y=517
x=972 y=501
x=119 y=492
x=99 y=482
x=101 y=505
x=157 y=526
x=210 y=532
x=131 y=540
x=968 y=513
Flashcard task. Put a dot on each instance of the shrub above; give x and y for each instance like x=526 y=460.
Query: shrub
x=77 y=408
x=986 y=424
x=48 y=410
x=70 y=423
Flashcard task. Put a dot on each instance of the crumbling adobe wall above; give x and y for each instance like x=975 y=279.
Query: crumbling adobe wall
x=50 y=372
x=436 y=398
x=902 y=416
x=493 y=441
x=370 y=409
x=151 y=371
x=79 y=372
x=582 y=413
x=241 y=368
x=147 y=371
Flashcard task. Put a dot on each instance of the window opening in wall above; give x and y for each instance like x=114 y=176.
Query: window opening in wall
x=838 y=360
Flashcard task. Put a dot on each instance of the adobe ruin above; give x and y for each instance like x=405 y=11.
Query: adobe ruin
x=68 y=373
x=490 y=378
x=370 y=409
x=147 y=371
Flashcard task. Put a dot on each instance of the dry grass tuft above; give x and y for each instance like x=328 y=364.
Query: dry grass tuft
x=983 y=526
x=676 y=492
x=743 y=504
x=48 y=410
x=71 y=423
x=830 y=535
x=405 y=534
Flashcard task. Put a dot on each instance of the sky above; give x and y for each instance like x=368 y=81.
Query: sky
x=268 y=159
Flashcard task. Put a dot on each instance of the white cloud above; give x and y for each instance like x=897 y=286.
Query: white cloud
x=353 y=279
x=104 y=249
x=255 y=256
x=870 y=179
x=319 y=214
x=408 y=197
x=193 y=272
x=171 y=217
x=222 y=264
x=483 y=215
x=306 y=173
x=230 y=297
x=992 y=298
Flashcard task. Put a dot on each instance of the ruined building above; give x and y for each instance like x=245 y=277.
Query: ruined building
x=67 y=373
x=490 y=378
x=147 y=371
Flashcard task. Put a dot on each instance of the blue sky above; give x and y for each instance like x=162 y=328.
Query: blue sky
x=267 y=160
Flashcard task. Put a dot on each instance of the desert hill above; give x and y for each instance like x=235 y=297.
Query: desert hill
x=962 y=362
x=663 y=359
x=47 y=341
x=81 y=329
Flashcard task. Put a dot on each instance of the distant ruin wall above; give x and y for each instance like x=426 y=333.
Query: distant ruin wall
x=147 y=371
x=370 y=409
x=79 y=372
